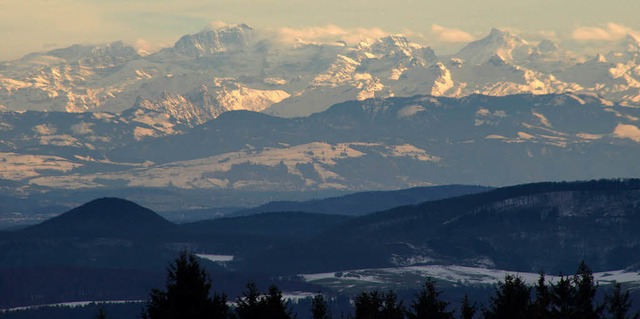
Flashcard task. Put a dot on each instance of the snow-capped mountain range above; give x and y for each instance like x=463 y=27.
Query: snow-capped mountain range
x=239 y=68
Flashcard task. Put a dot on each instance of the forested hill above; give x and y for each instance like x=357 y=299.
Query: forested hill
x=549 y=226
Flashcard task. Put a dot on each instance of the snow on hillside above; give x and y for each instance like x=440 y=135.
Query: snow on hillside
x=214 y=172
x=459 y=275
x=17 y=167
x=73 y=304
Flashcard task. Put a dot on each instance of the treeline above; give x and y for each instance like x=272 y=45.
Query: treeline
x=187 y=296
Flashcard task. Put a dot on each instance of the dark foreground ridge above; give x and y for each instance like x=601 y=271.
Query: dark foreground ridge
x=550 y=226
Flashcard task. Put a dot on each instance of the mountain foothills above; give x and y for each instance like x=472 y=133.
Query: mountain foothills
x=358 y=145
x=550 y=226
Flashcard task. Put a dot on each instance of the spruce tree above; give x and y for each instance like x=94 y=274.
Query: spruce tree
x=542 y=303
x=319 y=308
x=618 y=304
x=187 y=293
x=427 y=303
x=249 y=305
x=467 y=309
x=376 y=305
x=391 y=307
x=368 y=305
x=101 y=314
x=273 y=305
x=562 y=299
x=511 y=301
x=585 y=293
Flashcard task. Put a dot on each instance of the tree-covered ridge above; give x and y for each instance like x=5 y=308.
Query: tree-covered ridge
x=522 y=228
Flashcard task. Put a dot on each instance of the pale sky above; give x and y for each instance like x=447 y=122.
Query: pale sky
x=39 y=25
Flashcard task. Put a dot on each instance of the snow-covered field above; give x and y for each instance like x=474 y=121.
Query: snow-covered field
x=456 y=275
x=216 y=258
x=209 y=172
x=72 y=304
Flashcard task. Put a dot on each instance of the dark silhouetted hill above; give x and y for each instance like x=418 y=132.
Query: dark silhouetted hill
x=367 y=202
x=104 y=217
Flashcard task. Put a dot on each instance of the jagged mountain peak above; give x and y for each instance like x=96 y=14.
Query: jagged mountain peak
x=208 y=42
x=398 y=40
x=241 y=26
x=395 y=44
x=548 y=46
x=631 y=43
x=115 y=51
x=391 y=46
x=503 y=42
x=599 y=58
x=502 y=37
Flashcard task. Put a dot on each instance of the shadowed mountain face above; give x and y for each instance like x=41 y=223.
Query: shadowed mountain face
x=377 y=144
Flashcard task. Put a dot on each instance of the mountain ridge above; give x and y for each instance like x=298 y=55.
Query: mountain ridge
x=366 y=202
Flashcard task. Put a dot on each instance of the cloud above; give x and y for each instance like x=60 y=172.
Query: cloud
x=609 y=32
x=214 y=25
x=450 y=35
x=329 y=33
x=544 y=35
x=145 y=47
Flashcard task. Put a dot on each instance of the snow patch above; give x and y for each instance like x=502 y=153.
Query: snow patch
x=627 y=131
x=82 y=128
x=525 y=136
x=45 y=129
x=73 y=304
x=590 y=137
x=408 y=150
x=216 y=258
x=409 y=111
x=450 y=273
x=140 y=133
x=18 y=166
x=543 y=119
